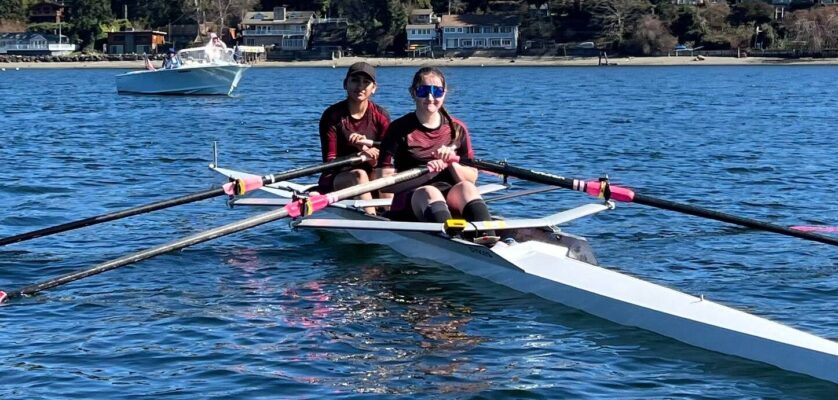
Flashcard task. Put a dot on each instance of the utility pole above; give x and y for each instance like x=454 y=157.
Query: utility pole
x=58 y=14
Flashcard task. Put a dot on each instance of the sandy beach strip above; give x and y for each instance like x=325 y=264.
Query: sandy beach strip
x=464 y=62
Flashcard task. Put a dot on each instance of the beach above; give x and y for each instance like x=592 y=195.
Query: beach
x=467 y=62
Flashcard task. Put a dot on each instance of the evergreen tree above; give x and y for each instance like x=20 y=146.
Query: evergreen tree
x=87 y=17
x=11 y=10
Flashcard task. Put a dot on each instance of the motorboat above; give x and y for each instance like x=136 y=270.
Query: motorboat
x=201 y=71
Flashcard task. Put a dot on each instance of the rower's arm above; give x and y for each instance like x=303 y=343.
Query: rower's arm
x=463 y=173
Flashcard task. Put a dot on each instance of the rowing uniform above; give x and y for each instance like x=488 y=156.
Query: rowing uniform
x=409 y=144
x=336 y=124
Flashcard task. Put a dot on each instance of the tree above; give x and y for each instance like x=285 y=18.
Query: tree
x=616 y=17
x=220 y=12
x=716 y=16
x=751 y=12
x=817 y=28
x=650 y=37
x=11 y=10
x=687 y=26
x=87 y=17
x=150 y=13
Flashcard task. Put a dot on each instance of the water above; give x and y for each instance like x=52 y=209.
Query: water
x=273 y=313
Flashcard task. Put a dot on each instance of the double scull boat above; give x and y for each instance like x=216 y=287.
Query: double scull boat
x=539 y=258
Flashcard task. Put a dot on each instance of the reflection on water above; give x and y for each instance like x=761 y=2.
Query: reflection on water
x=274 y=312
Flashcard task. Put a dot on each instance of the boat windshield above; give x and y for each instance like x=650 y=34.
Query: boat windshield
x=206 y=55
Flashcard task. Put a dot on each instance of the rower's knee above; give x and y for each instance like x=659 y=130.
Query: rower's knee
x=461 y=194
x=360 y=176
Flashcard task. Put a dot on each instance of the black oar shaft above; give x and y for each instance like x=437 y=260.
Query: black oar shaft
x=731 y=219
x=190 y=198
x=313 y=169
x=228 y=229
x=578 y=185
x=112 y=216
x=522 y=193
x=148 y=253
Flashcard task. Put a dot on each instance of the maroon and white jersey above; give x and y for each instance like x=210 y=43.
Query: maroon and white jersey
x=336 y=124
x=409 y=144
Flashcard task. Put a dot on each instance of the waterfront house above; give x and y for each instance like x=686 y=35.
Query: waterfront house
x=136 y=42
x=46 y=11
x=35 y=44
x=488 y=35
x=422 y=33
x=280 y=29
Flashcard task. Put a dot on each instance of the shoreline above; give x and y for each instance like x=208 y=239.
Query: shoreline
x=462 y=62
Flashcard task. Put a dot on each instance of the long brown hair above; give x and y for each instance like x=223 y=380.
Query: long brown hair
x=417 y=80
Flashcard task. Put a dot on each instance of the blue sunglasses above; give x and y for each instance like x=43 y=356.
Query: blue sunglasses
x=425 y=90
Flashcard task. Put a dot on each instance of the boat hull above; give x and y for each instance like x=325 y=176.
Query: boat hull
x=187 y=80
x=543 y=268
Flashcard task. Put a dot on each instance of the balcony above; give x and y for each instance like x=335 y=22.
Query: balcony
x=273 y=32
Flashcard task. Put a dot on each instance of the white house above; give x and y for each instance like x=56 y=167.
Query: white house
x=421 y=28
x=35 y=44
x=283 y=29
x=483 y=32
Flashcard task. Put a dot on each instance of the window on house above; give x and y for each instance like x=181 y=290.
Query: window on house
x=506 y=42
x=466 y=43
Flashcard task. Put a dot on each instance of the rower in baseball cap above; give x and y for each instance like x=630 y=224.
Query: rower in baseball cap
x=361 y=68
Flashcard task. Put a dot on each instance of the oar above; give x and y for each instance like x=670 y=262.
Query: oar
x=522 y=193
x=300 y=207
x=236 y=187
x=604 y=189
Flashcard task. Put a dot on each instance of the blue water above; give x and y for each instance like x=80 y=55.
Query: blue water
x=275 y=313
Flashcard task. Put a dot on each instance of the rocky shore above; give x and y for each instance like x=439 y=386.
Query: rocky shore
x=133 y=61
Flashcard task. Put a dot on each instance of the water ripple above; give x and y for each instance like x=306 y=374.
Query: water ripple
x=272 y=312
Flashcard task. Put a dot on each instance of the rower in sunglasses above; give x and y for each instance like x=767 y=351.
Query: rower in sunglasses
x=429 y=135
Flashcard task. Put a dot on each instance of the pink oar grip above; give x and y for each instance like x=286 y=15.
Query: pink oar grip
x=244 y=185
x=304 y=207
x=618 y=193
x=809 y=228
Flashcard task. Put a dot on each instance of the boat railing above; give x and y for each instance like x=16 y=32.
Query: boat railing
x=208 y=55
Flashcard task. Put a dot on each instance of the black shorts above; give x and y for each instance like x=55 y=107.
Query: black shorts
x=326 y=183
x=401 y=208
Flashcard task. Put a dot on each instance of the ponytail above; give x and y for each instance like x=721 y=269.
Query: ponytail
x=456 y=130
